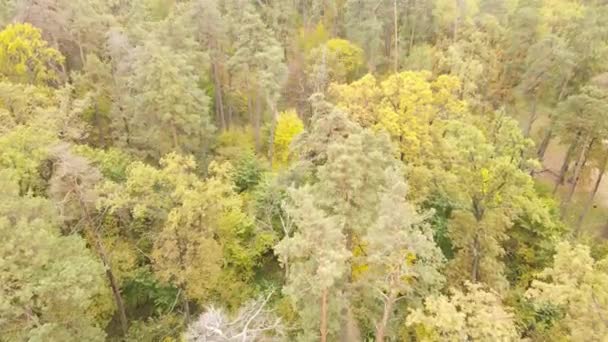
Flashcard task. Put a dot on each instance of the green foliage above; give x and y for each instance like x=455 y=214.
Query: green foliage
x=475 y=315
x=143 y=288
x=247 y=172
x=166 y=328
x=578 y=286
x=57 y=289
x=310 y=39
x=204 y=242
x=166 y=111
x=124 y=212
x=112 y=163
x=23 y=150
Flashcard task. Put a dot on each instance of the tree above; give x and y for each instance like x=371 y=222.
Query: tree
x=401 y=259
x=26 y=58
x=289 y=126
x=257 y=63
x=489 y=185
x=212 y=33
x=580 y=122
x=253 y=322
x=55 y=288
x=364 y=26
x=451 y=15
x=549 y=67
x=201 y=239
x=72 y=187
x=337 y=60
x=96 y=82
x=317 y=255
x=346 y=171
x=74 y=28
x=20 y=104
x=578 y=286
x=406 y=105
x=474 y=315
x=23 y=151
x=164 y=102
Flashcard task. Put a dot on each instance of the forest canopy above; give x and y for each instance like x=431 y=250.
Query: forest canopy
x=303 y=170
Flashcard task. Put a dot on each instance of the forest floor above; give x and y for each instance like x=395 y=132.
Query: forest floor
x=596 y=221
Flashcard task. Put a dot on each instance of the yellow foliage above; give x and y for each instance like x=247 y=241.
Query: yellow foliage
x=310 y=39
x=406 y=105
x=231 y=143
x=289 y=125
x=342 y=59
x=558 y=15
x=25 y=57
x=359 y=99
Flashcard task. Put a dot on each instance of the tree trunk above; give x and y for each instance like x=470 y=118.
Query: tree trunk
x=476 y=258
x=82 y=58
x=412 y=37
x=532 y=118
x=186 y=306
x=542 y=148
x=219 y=101
x=257 y=121
x=229 y=121
x=461 y=11
x=582 y=159
x=94 y=234
x=396 y=35
x=98 y=123
x=388 y=309
x=544 y=144
x=273 y=127
x=122 y=315
x=323 y=328
x=174 y=136
x=128 y=134
x=596 y=186
x=562 y=172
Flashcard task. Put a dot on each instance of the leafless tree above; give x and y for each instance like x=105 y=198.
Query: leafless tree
x=253 y=322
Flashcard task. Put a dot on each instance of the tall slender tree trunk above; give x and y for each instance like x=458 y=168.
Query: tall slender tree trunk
x=396 y=35
x=98 y=123
x=476 y=258
x=324 y=308
x=219 y=101
x=81 y=52
x=122 y=315
x=412 y=35
x=582 y=159
x=591 y=197
x=128 y=133
x=562 y=172
x=544 y=144
x=229 y=121
x=273 y=127
x=388 y=309
x=542 y=148
x=105 y=260
x=532 y=118
x=186 y=306
x=257 y=123
x=478 y=212
x=174 y=136
x=461 y=11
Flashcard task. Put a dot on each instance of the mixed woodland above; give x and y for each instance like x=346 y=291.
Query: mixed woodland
x=303 y=170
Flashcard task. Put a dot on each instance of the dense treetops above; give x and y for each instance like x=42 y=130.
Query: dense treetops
x=348 y=170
